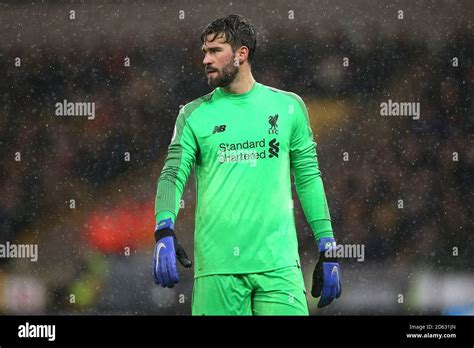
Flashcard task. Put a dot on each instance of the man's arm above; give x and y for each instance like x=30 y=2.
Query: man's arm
x=310 y=190
x=308 y=182
x=179 y=162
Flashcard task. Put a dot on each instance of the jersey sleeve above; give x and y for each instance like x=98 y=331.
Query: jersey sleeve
x=305 y=168
x=179 y=162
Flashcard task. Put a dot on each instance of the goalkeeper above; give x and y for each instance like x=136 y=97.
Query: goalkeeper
x=244 y=139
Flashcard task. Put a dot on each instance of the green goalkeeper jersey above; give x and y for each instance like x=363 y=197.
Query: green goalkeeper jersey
x=243 y=148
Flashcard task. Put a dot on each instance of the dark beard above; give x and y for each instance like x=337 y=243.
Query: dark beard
x=225 y=77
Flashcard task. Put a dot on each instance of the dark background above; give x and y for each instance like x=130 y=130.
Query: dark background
x=100 y=251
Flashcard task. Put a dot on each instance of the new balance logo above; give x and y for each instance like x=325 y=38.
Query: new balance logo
x=219 y=129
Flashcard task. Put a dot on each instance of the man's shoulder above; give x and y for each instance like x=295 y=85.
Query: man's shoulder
x=190 y=108
x=284 y=94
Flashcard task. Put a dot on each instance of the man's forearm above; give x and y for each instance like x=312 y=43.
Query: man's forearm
x=313 y=200
x=310 y=190
x=178 y=165
x=165 y=201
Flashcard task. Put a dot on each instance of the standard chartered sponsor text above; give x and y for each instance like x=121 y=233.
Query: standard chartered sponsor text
x=244 y=152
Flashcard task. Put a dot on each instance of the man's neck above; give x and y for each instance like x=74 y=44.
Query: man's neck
x=242 y=83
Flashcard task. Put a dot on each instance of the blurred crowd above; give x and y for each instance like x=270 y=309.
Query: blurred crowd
x=404 y=191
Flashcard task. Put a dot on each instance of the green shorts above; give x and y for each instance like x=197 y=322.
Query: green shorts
x=277 y=292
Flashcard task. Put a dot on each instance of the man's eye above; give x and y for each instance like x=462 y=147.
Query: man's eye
x=212 y=51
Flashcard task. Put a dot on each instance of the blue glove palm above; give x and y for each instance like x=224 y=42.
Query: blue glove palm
x=167 y=250
x=326 y=275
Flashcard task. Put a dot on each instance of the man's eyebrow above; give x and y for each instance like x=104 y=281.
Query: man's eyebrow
x=204 y=49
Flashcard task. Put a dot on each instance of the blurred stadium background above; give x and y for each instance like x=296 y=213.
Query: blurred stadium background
x=100 y=251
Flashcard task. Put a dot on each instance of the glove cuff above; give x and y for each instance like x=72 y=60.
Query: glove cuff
x=325 y=244
x=164 y=228
x=327 y=250
x=165 y=223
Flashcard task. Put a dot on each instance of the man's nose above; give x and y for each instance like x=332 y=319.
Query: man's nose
x=207 y=59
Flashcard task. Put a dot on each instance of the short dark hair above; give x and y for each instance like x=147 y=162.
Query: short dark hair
x=237 y=31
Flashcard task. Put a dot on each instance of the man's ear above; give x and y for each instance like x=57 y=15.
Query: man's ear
x=242 y=54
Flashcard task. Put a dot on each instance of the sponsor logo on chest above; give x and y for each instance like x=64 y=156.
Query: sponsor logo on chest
x=249 y=150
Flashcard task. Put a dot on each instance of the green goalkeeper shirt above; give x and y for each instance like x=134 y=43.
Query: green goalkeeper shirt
x=243 y=148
